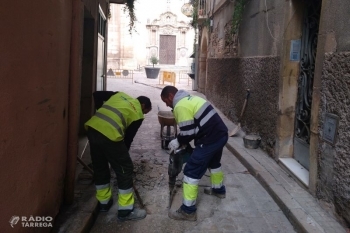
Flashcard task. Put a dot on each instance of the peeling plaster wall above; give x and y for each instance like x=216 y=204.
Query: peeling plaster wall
x=334 y=161
x=247 y=61
x=227 y=92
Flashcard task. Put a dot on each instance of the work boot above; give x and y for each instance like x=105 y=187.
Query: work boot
x=210 y=191
x=106 y=207
x=182 y=215
x=135 y=214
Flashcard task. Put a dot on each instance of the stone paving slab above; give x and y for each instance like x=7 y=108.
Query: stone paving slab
x=247 y=208
x=299 y=206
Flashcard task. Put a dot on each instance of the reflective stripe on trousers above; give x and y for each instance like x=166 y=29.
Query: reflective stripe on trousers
x=103 y=193
x=216 y=177
x=125 y=199
x=190 y=191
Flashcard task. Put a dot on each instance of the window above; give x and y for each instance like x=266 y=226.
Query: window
x=101 y=27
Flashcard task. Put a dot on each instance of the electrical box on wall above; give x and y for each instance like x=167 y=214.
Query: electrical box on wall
x=330 y=128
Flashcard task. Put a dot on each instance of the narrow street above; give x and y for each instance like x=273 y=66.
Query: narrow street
x=290 y=58
x=246 y=208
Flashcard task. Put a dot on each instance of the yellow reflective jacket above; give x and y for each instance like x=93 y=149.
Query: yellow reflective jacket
x=115 y=116
x=197 y=119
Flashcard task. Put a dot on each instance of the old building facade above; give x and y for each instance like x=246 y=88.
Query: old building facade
x=294 y=57
x=168 y=39
x=161 y=30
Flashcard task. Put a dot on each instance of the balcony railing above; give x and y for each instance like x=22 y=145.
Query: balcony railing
x=202 y=9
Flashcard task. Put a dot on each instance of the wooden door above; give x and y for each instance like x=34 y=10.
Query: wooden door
x=167 y=50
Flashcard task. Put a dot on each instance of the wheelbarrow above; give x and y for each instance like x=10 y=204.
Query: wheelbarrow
x=168 y=127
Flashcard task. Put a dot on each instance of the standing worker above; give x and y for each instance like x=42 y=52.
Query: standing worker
x=110 y=132
x=198 y=120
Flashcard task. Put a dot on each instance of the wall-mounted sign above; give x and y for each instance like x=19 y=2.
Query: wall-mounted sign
x=295 y=46
x=330 y=128
x=187 y=9
x=125 y=72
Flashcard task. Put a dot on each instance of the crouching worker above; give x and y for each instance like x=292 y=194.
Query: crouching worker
x=197 y=120
x=110 y=132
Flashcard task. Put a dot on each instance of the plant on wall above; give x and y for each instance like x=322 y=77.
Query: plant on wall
x=194 y=21
x=237 y=15
x=109 y=11
x=130 y=7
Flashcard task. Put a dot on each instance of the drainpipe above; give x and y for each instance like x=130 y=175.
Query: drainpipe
x=73 y=99
x=105 y=51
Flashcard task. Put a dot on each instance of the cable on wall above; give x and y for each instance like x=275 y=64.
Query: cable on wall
x=267 y=21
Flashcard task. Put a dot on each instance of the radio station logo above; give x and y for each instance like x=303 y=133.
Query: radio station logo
x=32 y=221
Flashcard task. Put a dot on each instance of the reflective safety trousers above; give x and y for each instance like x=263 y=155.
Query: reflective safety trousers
x=190 y=186
x=216 y=178
x=126 y=199
x=103 y=193
x=125 y=196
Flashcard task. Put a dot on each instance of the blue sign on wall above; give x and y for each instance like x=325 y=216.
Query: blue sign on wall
x=295 y=47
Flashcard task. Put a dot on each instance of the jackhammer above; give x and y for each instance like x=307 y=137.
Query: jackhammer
x=176 y=160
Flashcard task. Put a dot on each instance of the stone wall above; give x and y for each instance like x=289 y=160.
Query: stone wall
x=334 y=160
x=226 y=84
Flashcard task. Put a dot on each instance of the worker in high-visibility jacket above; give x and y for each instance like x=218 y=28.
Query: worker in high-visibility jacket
x=198 y=121
x=110 y=132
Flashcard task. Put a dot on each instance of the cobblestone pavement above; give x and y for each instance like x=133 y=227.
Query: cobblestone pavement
x=246 y=208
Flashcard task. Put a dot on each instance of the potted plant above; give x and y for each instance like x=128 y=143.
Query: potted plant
x=152 y=72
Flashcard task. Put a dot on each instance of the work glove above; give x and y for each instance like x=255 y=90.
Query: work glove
x=173 y=145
